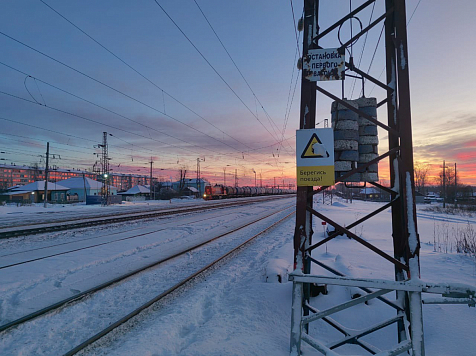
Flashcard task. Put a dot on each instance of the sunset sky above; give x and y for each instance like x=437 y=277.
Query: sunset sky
x=155 y=76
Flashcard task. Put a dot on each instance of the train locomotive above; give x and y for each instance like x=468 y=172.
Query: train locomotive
x=219 y=191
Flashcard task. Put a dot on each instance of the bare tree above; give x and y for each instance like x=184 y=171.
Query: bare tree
x=183 y=174
x=421 y=176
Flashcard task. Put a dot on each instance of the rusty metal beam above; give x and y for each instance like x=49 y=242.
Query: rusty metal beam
x=342 y=20
x=384 y=101
x=359 y=239
x=364 y=115
x=368 y=77
x=369 y=27
x=358 y=169
x=366 y=346
x=337 y=273
x=385 y=189
x=368 y=164
x=365 y=218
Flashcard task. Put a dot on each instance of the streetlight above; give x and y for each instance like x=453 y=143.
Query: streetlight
x=253 y=170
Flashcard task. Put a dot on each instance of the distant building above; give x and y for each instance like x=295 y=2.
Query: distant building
x=11 y=175
x=373 y=194
x=79 y=186
x=191 y=183
x=136 y=193
x=35 y=192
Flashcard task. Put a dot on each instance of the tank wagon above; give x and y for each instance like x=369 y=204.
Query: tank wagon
x=219 y=191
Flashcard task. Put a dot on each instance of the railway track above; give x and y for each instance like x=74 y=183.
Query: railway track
x=76 y=223
x=82 y=295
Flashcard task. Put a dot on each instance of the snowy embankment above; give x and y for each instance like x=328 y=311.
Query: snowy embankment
x=28 y=287
x=241 y=309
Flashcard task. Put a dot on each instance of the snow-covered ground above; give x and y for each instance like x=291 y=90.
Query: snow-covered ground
x=14 y=215
x=239 y=308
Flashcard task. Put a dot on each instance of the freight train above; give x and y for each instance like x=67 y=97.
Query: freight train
x=219 y=191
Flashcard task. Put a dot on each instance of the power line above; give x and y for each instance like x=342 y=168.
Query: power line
x=408 y=22
x=59 y=143
x=363 y=48
x=213 y=68
x=295 y=29
x=116 y=90
x=414 y=10
x=99 y=106
x=375 y=51
x=91 y=120
x=238 y=69
x=290 y=103
x=143 y=76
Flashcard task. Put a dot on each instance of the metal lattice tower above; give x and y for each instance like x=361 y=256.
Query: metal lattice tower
x=406 y=244
x=105 y=191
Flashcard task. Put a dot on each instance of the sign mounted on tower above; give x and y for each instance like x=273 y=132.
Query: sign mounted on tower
x=315 y=157
x=324 y=64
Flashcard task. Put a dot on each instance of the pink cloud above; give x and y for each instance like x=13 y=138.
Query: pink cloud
x=464 y=156
x=470 y=144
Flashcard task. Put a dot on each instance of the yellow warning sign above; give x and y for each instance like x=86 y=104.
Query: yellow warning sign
x=315 y=149
x=315 y=157
x=312 y=176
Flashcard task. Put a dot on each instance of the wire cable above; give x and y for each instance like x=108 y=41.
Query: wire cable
x=114 y=89
x=362 y=52
x=238 y=69
x=213 y=68
x=143 y=76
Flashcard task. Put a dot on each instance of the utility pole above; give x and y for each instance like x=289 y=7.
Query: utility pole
x=150 y=179
x=104 y=170
x=304 y=200
x=236 y=178
x=46 y=173
x=84 y=184
x=456 y=189
x=199 y=188
x=444 y=185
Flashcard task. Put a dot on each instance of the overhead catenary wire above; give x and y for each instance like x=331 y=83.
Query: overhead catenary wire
x=62 y=90
x=143 y=76
x=114 y=89
x=375 y=51
x=60 y=133
x=86 y=150
x=245 y=151
x=408 y=22
x=50 y=107
x=94 y=141
x=214 y=69
x=362 y=51
x=91 y=120
x=290 y=99
x=97 y=105
x=272 y=123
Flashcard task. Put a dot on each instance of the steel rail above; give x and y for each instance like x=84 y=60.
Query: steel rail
x=104 y=285
x=95 y=244
x=86 y=222
x=146 y=305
